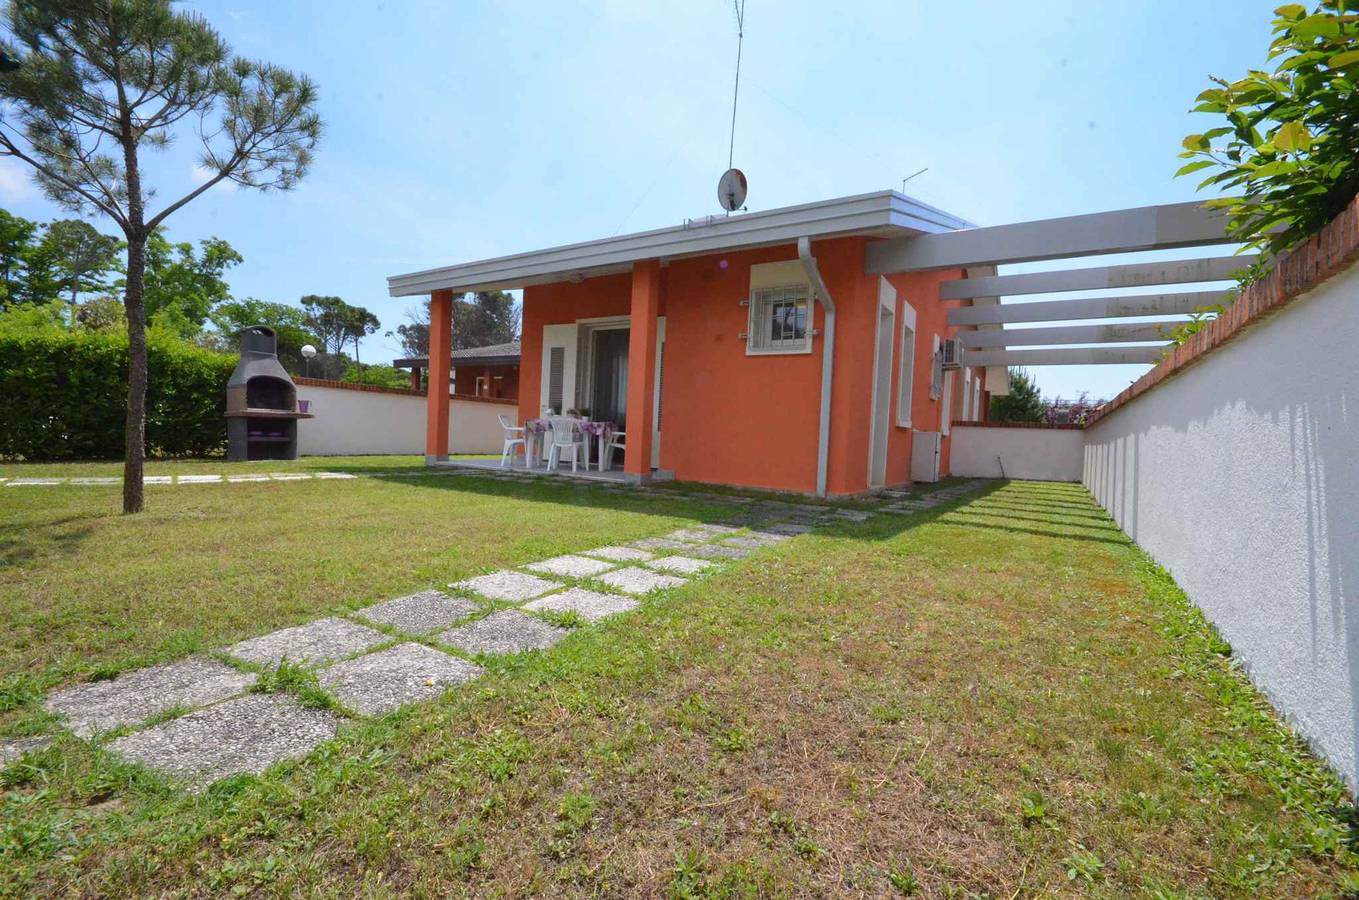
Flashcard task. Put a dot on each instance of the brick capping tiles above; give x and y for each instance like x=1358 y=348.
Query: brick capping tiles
x=1321 y=257
x=1051 y=426
x=404 y=392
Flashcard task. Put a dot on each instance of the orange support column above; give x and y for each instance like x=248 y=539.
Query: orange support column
x=646 y=304
x=440 y=363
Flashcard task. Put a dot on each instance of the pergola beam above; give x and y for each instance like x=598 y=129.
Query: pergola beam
x=1119 y=231
x=1086 y=308
x=1069 y=356
x=1185 y=271
x=1069 y=334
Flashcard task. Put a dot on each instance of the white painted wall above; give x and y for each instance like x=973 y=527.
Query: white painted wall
x=352 y=422
x=1241 y=476
x=1039 y=454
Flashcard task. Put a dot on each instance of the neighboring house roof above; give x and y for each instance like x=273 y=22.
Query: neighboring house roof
x=490 y=355
x=883 y=214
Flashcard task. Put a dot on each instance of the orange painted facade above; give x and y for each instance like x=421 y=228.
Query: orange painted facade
x=753 y=420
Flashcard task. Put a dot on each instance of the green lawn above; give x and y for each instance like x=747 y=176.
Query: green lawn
x=1001 y=697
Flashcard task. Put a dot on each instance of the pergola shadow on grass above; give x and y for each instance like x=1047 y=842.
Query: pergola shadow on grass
x=912 y=702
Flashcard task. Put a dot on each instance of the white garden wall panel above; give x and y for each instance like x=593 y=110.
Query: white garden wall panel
x=1038 y=454
x=349 y=423
x=1241 y=476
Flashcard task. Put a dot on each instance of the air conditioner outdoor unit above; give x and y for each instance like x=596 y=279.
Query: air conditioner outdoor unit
x=953 y=353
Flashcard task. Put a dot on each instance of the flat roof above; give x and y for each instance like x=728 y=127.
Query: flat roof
x=882 y=213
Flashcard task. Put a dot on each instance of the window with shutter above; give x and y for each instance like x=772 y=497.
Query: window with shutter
x=556 y=361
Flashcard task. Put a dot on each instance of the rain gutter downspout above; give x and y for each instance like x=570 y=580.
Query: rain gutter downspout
x=822 y=293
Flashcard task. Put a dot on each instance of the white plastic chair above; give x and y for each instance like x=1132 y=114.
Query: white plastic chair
x=616 y=442
x=514 y=437
x=565 y=432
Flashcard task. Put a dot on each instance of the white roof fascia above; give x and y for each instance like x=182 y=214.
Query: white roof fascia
x=882 y=212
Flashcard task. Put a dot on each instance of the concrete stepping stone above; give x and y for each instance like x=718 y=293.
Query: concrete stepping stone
x=289 y=476
x=787 y=528
x=691 y=535
x=14 y=748
x=747 y=542
x=200 y=479
x=158 y=479
x=34 y=482
x=619 y=554
x=407 y=673
x=257 y=476
x=633 y=580
x=507 y=585
x=589 y=605
x=570 y=566
x=681 y=565
x=766 y=535
x=854 y=515
x=335 y=475
x=88 y=481
x=660 y=543
x=244 y=735
x=717 y=551
x=314 y=643
x=419 y=613
x=508 y=631
x=135 y=696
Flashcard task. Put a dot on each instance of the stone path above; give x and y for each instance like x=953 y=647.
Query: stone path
x=205 y=478
x=413 y=648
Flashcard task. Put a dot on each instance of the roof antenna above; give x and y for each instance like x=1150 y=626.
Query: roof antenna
x=909 y=177
x=731 y=187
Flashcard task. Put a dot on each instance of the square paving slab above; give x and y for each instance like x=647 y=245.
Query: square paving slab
x=236 y=479
x=620 y=554
x=158 y=479
x=660 y=543
x=787 y=528
x=681 y=565
x=419 y=613
x=96 y=481
x=313 y=643
x=691 y=535
x=716 y=551
x=589 y=605
x=747 y=542
x=407 y=673
x=507 y=585
x=570 y=566
x=633 y=580
x=244 y=735
x=200 y=479
x=32 y=482
x=336 y=475
x=135 y=696
x=508 y=631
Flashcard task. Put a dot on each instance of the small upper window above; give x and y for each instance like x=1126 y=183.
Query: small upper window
x=780 y=320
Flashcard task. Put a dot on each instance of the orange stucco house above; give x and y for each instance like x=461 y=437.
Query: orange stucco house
x=760 y=350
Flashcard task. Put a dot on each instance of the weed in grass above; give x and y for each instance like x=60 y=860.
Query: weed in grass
x=291 y=678
x=567 y=618
x=1083 y=865
x=904 y=880
x=686 y=876
x=887 y=713
x=18 y=691
x=574 y=813
x=1033 y=809
x=465 y=848
x=732 y=740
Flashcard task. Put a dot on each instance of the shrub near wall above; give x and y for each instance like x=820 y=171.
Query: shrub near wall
x=63 y=396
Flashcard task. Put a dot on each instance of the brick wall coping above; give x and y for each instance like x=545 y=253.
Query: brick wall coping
x=1321 y=257
x=401 y=392
x=1058 y=426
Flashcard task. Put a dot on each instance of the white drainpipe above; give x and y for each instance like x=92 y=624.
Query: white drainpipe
x=822 y=293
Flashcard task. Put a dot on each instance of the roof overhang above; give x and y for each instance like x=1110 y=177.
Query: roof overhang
x=880 y=214
x=466 y=362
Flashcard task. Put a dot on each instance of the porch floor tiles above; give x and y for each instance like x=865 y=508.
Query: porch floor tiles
x=589 y=605
x=247 y=734
x=570 y=566
x=314 y=643
x=619 y=554
x=507 y=585
x=517 y=469
x=508 y=631
x=407 y=673
x=136 y=696
x=633 y=580
x=681 y=565
x=419 y=613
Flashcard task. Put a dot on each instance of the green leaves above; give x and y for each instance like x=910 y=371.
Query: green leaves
x=1291 y=136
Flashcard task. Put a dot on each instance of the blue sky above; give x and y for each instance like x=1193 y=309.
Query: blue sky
x=456 y=131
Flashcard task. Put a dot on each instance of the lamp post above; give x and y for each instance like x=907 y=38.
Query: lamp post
x=308 y=351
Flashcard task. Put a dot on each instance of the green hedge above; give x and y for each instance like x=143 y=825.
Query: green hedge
x=64 y=396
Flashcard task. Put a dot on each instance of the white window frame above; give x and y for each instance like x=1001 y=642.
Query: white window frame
x=937 y=370
x=762 y=303
x=906 y=366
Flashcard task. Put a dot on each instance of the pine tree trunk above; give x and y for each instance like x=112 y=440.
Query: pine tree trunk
x=135 y=429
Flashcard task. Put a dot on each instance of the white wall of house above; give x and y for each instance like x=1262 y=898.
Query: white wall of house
x=352 y=422
x=1240 y=475
x=1040 y=454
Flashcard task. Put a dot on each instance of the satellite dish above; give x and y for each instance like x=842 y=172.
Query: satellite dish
x=731 y=190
